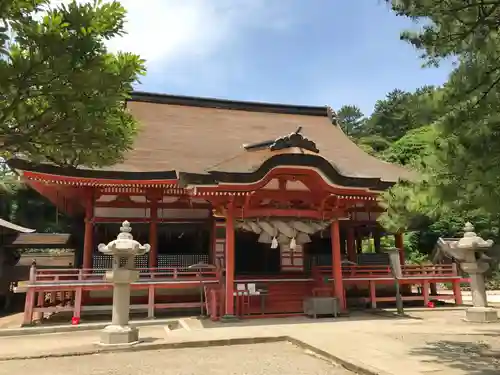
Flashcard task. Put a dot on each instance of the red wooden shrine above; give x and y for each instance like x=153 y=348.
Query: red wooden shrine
x=248 y=207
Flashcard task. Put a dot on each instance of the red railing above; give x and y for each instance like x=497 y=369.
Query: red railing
x=56 y=290
x=434 y=270
x=145 y=275
x=381 y=271
x=357 y=271
x=366 y=271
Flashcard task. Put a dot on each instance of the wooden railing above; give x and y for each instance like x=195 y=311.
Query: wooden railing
x=56 y=290
x=371 y=271
x=421 y=275
x=356 y=271
x=434 y=270
x=384 y=271
x=145 y=275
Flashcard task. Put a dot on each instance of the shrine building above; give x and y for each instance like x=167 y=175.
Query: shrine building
x=249 y=208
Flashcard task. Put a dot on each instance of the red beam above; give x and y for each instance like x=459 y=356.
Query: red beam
x=310 y=214
x=145 y=220
x=173 y=205
x=255 y=200
x=298 y=174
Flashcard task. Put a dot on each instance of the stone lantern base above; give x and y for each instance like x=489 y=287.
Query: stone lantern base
x=119 y=335
x=481 y=315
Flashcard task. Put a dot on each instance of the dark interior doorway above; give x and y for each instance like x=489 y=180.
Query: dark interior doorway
x=253 y=257
x=185 y=238
x=173 y=238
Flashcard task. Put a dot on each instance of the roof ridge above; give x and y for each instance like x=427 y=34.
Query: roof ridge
x=157 y=98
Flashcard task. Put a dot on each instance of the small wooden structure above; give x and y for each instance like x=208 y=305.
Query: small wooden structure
x=9 y=257
x=275 y=197
x=14 y=266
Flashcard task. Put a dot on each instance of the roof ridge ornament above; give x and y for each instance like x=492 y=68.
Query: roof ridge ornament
x=295 y=139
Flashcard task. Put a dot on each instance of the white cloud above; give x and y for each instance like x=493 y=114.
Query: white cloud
x=168 y=31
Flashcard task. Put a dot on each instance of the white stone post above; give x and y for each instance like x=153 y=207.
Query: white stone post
x=123 y=250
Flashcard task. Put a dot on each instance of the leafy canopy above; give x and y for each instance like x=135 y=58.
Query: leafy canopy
x=61 y=92
x=351 y=119
x=460 y=167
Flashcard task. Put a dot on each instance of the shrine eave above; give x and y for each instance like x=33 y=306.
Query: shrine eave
x=85 y=177
x=297 y=161
x=88 y=177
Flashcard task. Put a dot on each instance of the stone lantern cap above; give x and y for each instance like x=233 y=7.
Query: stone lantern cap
x=464 y=248
x=471 y=240
x=124 y=246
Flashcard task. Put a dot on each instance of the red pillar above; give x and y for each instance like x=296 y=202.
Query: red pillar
x=457 y=291
x=153 y=235
x=337 y=265
x=398 y=239
x=351 y=246
x=88 y=242
x=230 y=261
x=213 y=242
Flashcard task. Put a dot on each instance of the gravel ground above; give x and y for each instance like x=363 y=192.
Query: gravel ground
x=268 y=359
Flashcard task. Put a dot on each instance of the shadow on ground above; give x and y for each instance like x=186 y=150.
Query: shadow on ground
x=474 y=358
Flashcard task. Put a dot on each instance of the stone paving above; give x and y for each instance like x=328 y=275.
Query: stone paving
x=256 y=359
x=427 y=341
x=11 y=321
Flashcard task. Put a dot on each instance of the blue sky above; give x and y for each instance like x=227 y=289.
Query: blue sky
x=314 y=52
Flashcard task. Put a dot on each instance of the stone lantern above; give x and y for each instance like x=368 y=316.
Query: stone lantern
x=123 y=250
x=470 y=251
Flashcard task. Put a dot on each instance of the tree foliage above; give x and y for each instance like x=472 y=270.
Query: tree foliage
x=61 y=92
x=457 y=150
x=402 y=111
x=450 y=27
x=466 y=168
x=351 y=119
x=449 y=135
x=412 y=147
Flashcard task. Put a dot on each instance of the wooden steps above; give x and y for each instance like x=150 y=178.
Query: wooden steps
x=281 y=298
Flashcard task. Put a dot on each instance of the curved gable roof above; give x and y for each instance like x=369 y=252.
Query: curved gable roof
x=196 y=135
